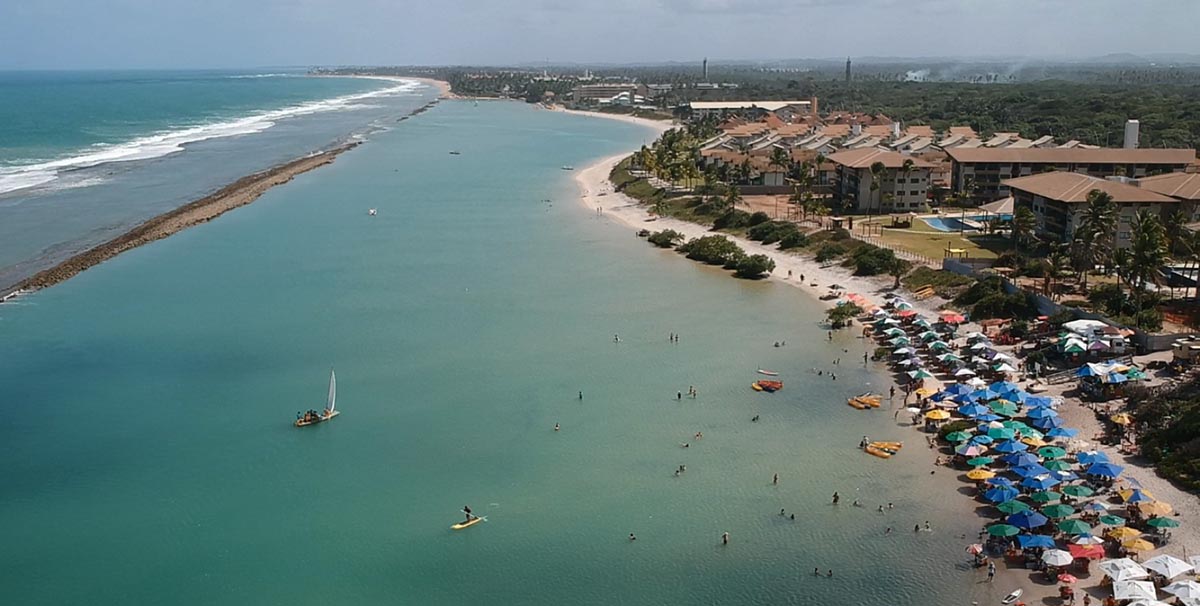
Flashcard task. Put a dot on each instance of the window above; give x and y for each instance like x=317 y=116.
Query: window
x=914 y=193
x=914 y=180
x=1123 y=235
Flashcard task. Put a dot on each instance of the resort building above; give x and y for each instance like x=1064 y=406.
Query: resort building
x=899 y=190
x=989 y=168
x=705 y=109
x=1059 y=200
x=595 y=93
x=1184 y=187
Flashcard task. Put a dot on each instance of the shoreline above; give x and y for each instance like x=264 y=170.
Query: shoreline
x=597 y=192
x=235 y=195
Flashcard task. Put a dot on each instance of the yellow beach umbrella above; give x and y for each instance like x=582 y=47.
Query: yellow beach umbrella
x=925 y=392
x=1034 y=441
x=981 y=474
x=1123 y=532
x=1157 y=508
x=1122 y=419
x=1138 y=545
x=938 y=414
x=1128 y=492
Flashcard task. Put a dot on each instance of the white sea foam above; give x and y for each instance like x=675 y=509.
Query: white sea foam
x=13 y=178
x=243 y=76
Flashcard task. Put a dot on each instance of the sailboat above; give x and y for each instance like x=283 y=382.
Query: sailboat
x=313 y=417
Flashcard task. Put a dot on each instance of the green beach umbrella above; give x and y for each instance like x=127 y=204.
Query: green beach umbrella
x=1045 y=496
x=893 y=332
x=1062 y=466
x=1058 y=511
x=958 y=436
x=1163 y=523
x=1073 y=490
x=1111 y=520
x=980 y=461
x=1003 y=530
x=1001 y=433
x=1013 y=506
x=1002 y=407
x=940 y=346
x=1075 y=527
x=1052 y=452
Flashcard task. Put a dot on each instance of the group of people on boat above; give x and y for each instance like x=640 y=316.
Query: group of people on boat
x=311 y=416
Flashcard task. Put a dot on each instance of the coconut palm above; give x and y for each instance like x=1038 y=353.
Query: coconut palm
x=780 y=158
x=1094 y=235
x=1147 y=252
x=877 y=170
x=1024 y=222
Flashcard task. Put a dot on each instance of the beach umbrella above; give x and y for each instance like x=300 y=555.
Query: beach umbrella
x=1158 y=508
x=1096 y=506
x=1124 y=533
x=1038 y=401
x=1001 y=494
x=1091 y=457
x=988 y=416
x=1015 y=425
x=975 y=549
x=1001 y=433
x=1105 y=470
x=938 y=414
x=1138 y=545
x=949 y=357
x=898 y=341
x=1041 y=413
x=1011 y=507
x=1111 y=520
x=958 y=436
x=980 y=461
x=1040 y=482
x=1002 y=530
x=953 y=318
x=922 y=322
x=1018 y=459
x=982 y=439
x=1047 y=423
x=1122 y=569
x=1001 y=407
x=1057 y=557
x=1063 y=476
x=964 y=372
x=1058 y=510
x=980 y=474
x=1034 y=439
x=958 y=389
x=1004 y=367
x=1011 y=447
x=904 y=351
x=1186 y=589
x=1067 y=577
x=1162 y=523
x=920 y=373
x=1077 y=491
x=1000 y=481
x=1052 y=452
x=1134 y=590
x=1062 y=432
x=1074 y=527
x=908 y=362
x=1114 y=377
x=1167 y=565
x=1004 y=387
x=939 y=346
x=1059 y=465
x=928 y=335
x=1030 y=471
x=1030 y=541
x=1136 y=495
x=908 y=313
x=894 y=332
x=972 y=410
x=970 y=450
x=1121 y=418
x=984 y=394
x=1087 y=539
x=1016 y=396
x=1087 y=552
x=902 y=305
x=1027 y=519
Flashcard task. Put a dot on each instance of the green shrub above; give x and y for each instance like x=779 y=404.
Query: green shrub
x=666 y=238
x=830 y=251
x=758 y=218
x=755 y=267
x=872 y=260
x=796 y=239
x=842 y=315
x=714 y=250
x=732 y=219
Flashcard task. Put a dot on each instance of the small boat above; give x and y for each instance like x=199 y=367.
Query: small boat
x=313 y=417
x=469 y=523
x=372 y=212
x=568 y=168
x=767 y=386
x=1012 y=597
x=769 y=373
x=455 y=153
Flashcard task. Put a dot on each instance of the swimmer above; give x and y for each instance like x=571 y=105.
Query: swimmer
x=556 y=427
x=775 y=480
x=836 y=497
x=725 y=538
x=632 y=537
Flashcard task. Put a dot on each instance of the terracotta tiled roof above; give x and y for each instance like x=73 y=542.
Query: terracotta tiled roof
x=1074 y=155
x=864 y=158
x=1074 y=188
x=1182 y=186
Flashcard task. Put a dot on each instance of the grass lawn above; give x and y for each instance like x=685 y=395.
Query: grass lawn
x=934 y=245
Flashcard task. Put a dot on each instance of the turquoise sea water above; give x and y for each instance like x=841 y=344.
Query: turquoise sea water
x=150 y=456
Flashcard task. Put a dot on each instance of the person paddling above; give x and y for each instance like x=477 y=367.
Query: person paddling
x=467 y=510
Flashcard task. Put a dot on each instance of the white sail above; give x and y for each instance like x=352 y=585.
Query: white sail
x=332 y=392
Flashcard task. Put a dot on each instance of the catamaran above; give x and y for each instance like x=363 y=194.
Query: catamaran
x=313 y=417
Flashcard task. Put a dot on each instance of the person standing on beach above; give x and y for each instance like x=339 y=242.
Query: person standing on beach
x=836 y=497
x=679 y=395
x=581 y=396
x=725 y=538
x=991 y=571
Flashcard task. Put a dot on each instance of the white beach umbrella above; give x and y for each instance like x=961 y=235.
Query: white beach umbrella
x=1134 y=590
x=1185 y=589
x=976 y=382
x=1005 y=368
x=1057 y=557
x=1088 y=539
x=964 y=372
x=1123 y=569
x=1003 y=357
x=1167 y=565
x=1147 y=603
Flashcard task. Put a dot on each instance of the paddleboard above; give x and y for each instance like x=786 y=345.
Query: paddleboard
x=472 y=522
x=1012 y=597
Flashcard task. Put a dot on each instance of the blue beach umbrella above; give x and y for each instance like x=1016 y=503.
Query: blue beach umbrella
x=1011 y=446
x=1000 y=481
x=1038 y=401
x=1017 y=396
x=1062 y=432
x=1003 y=387
x=1138 y=497
x=1091 y=457
x=1063 y=475
x=1030 y=541
x=1001 y=494
x=972 y=410
x=959 y=389
x=984 y=394
x=988 y=417
x=1041 y=413
x=1047 y=423
x=1018 y=459
x=1027 y=519
x=1040 y=482
x=1105 y=470
x=981 y=440
x=1031 y=471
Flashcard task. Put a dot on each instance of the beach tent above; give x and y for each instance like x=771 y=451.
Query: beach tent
x=1123 y=569
x=1134 y=590
x=1167 y=565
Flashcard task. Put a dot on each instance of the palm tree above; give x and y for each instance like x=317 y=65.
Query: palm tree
x=1023 y=224
x=1147 y=252
x=877 y=170
x=907 y=167
x=780 y=158
x=732 y=197
x=1095 y=232
x=1174 y=223
x=819 y=160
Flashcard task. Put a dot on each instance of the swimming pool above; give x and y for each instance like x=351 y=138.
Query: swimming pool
x=955 y=224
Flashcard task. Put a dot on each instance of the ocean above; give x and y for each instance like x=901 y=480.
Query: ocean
x=84 y=156
x=148 y=405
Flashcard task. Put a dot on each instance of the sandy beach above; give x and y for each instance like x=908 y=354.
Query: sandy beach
x=239 y=193
x=597 y=193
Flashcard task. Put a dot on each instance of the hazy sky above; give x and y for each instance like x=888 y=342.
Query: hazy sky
x=246 y=33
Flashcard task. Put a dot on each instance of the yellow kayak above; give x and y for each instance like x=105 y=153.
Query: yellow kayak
x=888 y=445
x=467 y=524
x=879 y=452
